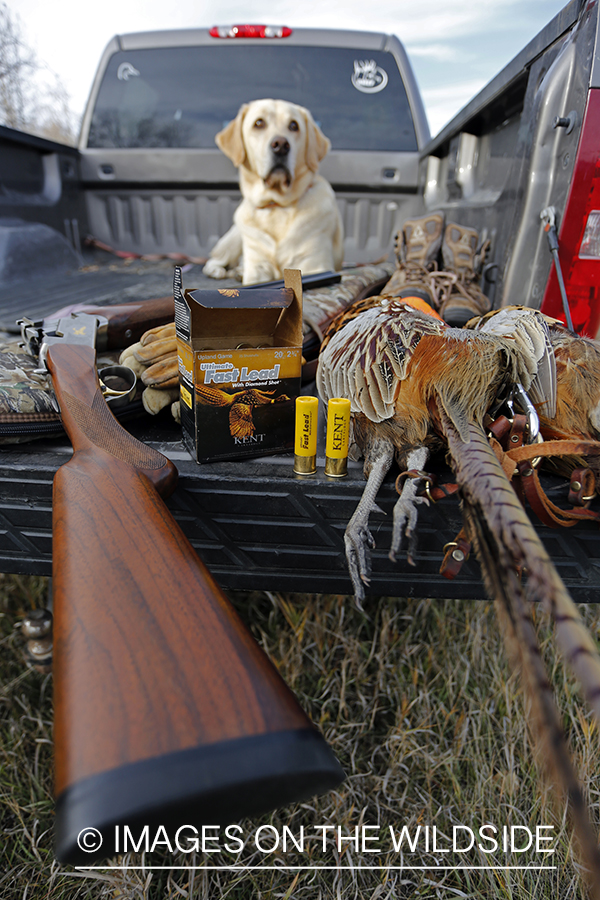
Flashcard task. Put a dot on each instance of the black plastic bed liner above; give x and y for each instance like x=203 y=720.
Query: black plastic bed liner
x=258 y=526
x=102 y=281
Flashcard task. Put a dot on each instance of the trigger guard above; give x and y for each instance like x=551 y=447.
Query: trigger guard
x=118 y=398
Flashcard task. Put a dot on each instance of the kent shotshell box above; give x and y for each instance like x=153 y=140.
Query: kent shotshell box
x=240 y=367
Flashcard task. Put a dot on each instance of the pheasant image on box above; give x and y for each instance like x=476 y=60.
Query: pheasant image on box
x=240 y=404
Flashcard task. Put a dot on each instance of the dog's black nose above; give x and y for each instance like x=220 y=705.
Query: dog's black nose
x=280 y=146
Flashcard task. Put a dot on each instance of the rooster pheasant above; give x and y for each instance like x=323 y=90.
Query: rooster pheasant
x=399 y=367
x=415 y=385
x=241 y=405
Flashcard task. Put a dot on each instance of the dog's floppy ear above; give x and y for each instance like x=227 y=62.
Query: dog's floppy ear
x=230 y=139
x=317 y=145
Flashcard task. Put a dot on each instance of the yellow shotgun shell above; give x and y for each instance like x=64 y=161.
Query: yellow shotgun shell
x=338 y=433
x=305 y=446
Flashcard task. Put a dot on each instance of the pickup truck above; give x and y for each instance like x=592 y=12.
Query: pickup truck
x=147 y=182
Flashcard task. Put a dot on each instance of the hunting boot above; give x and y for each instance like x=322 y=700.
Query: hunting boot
x=462 y=257
x=416 y=247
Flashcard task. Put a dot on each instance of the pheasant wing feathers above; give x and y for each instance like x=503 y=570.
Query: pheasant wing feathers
x=529 y=331
x=367 y=358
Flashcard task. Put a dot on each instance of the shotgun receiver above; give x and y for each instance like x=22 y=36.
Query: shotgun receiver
x=167 y=712
x=117 y=326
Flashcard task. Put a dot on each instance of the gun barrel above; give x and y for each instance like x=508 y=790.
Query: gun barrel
x=167 y=712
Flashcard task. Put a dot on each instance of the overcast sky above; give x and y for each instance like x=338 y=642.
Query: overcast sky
x=455 y=46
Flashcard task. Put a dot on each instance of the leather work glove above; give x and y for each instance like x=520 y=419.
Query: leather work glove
x=154 y=360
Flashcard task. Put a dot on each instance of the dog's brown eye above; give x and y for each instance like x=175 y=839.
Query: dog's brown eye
x=260 y=123
x=293 y=126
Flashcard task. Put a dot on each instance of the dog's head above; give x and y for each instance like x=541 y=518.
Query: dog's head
x=275 y=140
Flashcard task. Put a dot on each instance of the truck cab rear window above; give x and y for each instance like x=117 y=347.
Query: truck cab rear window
x=181 y=97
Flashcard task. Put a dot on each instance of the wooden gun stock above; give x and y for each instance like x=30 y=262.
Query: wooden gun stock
x=167 y=712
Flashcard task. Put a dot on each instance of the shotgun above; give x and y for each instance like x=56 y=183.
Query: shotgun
x=167 y=712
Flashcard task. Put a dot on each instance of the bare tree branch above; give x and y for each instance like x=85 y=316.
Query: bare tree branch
x=31 y=97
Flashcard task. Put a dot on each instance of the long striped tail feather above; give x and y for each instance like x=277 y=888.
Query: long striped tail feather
x=506 y=544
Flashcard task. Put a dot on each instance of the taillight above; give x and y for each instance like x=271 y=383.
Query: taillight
x=590 y=243
x=579 y=236
x=250 y=31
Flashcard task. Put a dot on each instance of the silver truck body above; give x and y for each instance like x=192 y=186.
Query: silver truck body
x=503 y=159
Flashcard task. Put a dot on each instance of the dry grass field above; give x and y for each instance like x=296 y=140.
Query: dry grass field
x=423 y=711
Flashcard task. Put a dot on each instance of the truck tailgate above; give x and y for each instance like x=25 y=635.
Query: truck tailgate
x=260 y=527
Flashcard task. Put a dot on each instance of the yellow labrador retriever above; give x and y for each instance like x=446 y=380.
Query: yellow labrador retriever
x=288 y=217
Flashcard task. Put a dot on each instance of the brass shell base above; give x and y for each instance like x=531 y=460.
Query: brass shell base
x=305 y=465
x=336 y=467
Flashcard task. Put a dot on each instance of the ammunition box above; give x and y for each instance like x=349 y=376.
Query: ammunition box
x=240 y=367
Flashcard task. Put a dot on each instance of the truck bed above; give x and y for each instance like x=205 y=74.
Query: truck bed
x=102 y=280
x=255 y=524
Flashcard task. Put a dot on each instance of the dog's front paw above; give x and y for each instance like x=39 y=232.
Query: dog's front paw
x=213 y=269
